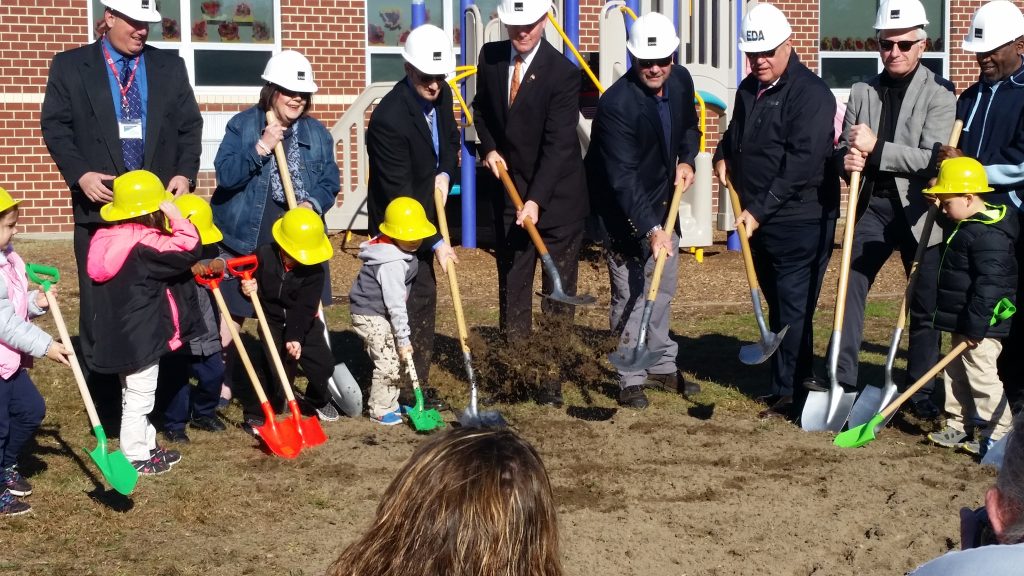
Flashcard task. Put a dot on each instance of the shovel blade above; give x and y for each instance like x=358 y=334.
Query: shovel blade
x=114 y=466
x=282 y=439
x=345 y=391
x=635 y=360
x=840 y=404
x=814 y=417
x=425 y=420
x=309 y=427
x=579 y=300
x=485 y=419
x=859 y=435
x=758 y=353
x=868 y=403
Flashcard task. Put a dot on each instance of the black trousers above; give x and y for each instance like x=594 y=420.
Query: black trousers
x=882 y=229
x=422 y=308
x=1011 y=367
x=790 y=259
x=104 y=388
x=316 y=361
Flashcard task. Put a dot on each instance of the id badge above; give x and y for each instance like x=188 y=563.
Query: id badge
x=130 y=129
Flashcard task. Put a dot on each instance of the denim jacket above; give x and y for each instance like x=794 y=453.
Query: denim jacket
x=243 y=176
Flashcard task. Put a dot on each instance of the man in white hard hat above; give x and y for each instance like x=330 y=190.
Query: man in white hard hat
x=525 y=112
x=894 y=124
x=644 y=140
x=993 y=113
x=413 y=146
x=777 y=152
x=96 y=127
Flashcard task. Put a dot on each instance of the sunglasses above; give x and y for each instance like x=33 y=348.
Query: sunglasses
x=905 y=45
x=290 y=94
x=765 y=54
x=661 y=63
x=428 y=79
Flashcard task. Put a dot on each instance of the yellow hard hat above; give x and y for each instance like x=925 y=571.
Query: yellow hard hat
x=300 y=233
x=961 y=175
x=136 y=193
x=6 y=202
x=404 y=219
x=198 y=212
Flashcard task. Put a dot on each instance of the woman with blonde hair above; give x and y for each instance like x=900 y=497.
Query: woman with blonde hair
x=469 y=502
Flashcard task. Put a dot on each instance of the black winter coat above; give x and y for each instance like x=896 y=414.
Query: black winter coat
x=289 y=297
x=978 y=269
x=778 y=148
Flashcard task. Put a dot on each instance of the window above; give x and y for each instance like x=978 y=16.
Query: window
x=849 y=50
x=388 y=22
x=225 y=43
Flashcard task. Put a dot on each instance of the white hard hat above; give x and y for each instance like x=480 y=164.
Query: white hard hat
x=898 y=14
x=652 y=37
x=522 y=12
x=138 y=10
x=429 y=50
x=993 y=25
x=764 y=28
x=290 y=70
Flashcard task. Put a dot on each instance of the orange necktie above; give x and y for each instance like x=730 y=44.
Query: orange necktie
x=515 y=80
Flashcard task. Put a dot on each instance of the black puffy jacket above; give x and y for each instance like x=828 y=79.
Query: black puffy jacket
x=978 y=270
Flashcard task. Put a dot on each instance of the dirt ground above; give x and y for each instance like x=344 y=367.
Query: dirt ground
x=683 y=488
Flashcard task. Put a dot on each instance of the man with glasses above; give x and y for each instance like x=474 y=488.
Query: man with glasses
x=644 y=141
x=993 y=113
x=894 y=124
x=412 y=142
x=525 y=112
x=114 y=106
x=777 y=152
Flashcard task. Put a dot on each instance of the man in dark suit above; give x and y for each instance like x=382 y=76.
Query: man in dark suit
x=644 y=141
x=413 y=145
x=525 y=112
x=114 y=106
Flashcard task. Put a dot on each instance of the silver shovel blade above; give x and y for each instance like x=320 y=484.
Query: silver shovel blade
x=759 y=352
x=814 y=417
x=482 y=419
x=868 y=403
x=580 y=300
x=840 y=404
x=345 y=391
x=633 y=360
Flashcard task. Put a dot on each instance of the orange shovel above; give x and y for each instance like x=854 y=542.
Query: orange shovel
x=308 y=428
x=282 y=440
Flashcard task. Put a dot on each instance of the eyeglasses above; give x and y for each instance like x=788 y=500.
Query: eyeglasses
x=905 y=45
x=661 y=63
x=291 y=94
x=766 y=54
x=428 y=79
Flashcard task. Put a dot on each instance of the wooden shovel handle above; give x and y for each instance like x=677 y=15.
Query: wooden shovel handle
x=453 y=281
x=282 y=166
x=670 y=226
x=844 y=262
x=275 y=355
x=748 y=258
x=954 y=136
x=531 y=227
x=895 y=404
x=76 y=368
x=239 y=345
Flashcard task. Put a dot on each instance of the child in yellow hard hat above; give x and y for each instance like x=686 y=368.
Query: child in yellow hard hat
x=977 y=285
x=377 y=301
x=290 y=280
x=143 y=307
x=179 y=403
x=21 y=406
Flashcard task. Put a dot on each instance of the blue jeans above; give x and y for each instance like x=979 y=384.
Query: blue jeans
x=178 y=399
x=21 y=412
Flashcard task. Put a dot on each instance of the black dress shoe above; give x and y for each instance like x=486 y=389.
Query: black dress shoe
x=176 y=436
x=672 y=382
x=633 y=397
x=550 y=395
x=208 y=424
x=778 y=407
x=923 y=408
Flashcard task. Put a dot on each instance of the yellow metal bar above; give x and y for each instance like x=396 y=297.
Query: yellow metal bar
x=462 y=102
x=703 y=118
x=629 y=11
x=576 y=53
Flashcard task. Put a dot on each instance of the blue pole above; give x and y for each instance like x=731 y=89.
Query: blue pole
x=633 y=5
x=571 y=25
x=419 y=13
x=468 y=185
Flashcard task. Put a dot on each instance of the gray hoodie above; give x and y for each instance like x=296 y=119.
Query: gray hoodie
x=382 y=285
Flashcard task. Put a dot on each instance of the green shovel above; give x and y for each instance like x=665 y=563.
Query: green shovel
x=422 y=420
x=118 y=471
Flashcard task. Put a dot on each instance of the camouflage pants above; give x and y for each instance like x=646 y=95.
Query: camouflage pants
x=380 y=345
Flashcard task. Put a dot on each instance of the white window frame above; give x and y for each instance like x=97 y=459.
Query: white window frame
x=186 y=48
x=843 y=94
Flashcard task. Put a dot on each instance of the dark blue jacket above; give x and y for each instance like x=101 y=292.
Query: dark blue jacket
x=630 y=172
x=243 y=176
x=778 y=146
x=978 y=269
x=993 y=116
